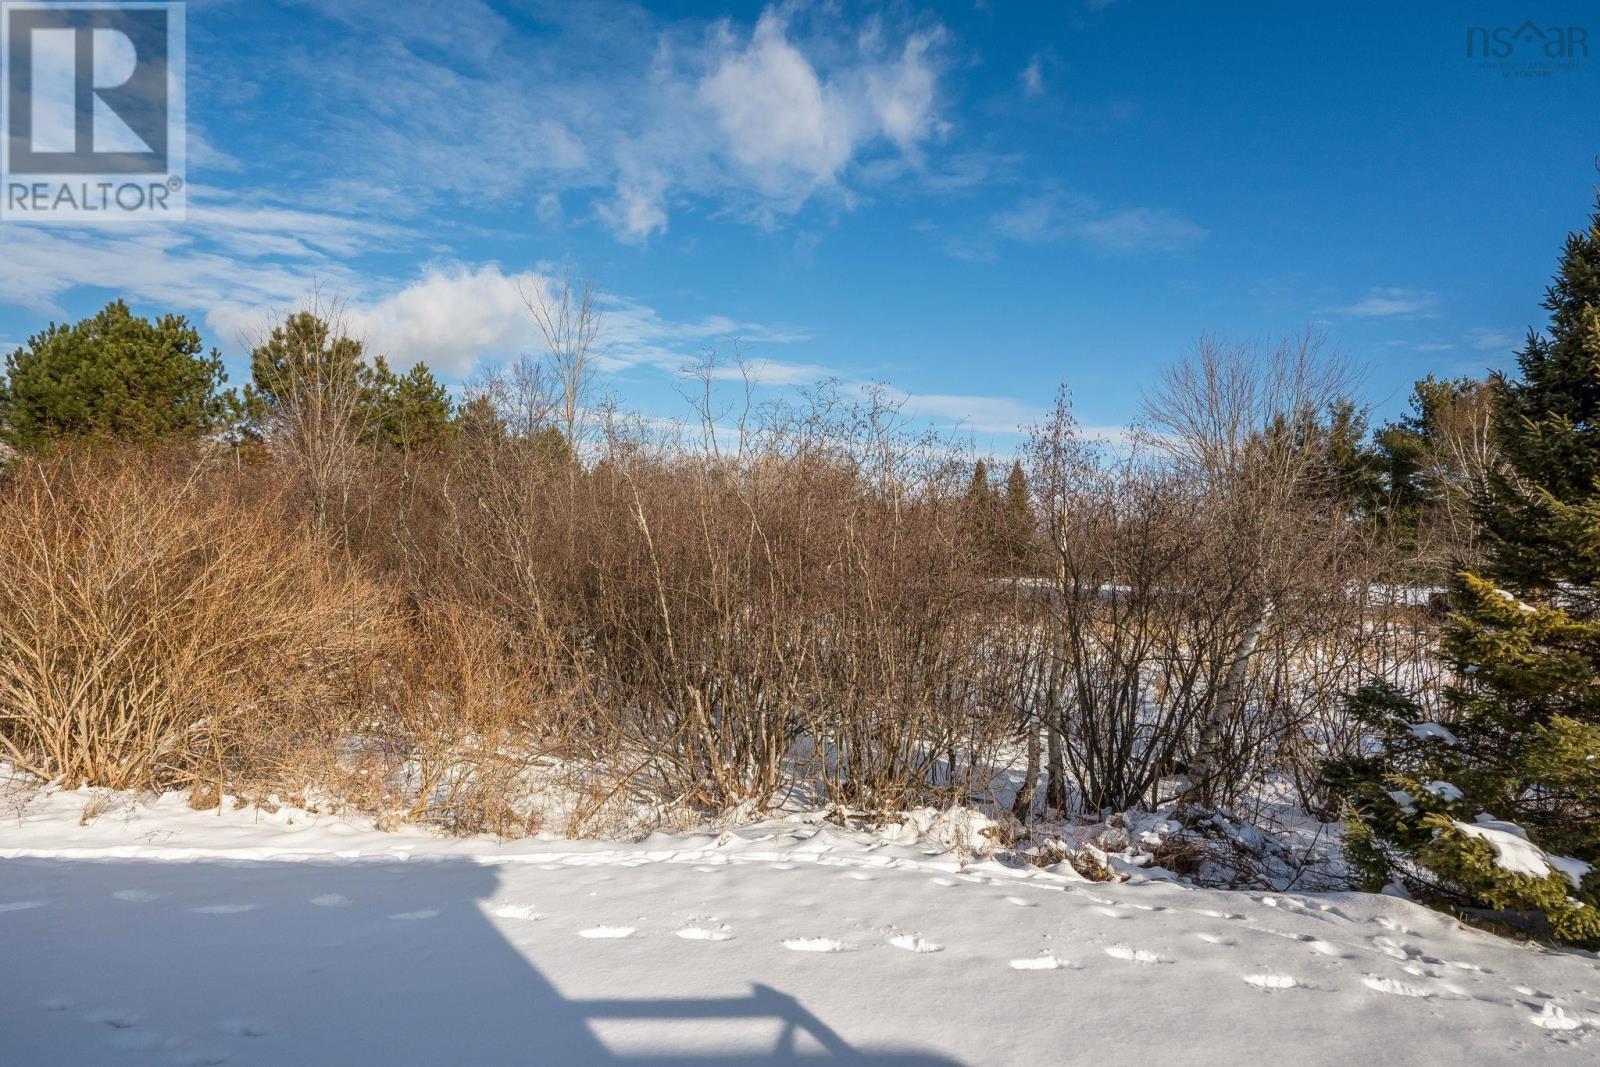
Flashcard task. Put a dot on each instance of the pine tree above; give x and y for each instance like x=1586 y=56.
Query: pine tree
x=410 y=412
x=113 y=376
x=1500 y=811
x=309 y=356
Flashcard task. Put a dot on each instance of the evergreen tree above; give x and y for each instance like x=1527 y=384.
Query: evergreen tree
x=410 y=411
x=113 y=376
x=303 y=352
x=982 y=514
x=1500 y=811
x=1017 y=520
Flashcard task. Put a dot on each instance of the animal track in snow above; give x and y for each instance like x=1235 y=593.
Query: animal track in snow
x=607 y=933
x=942 y=881
x=1042 y=963
x=1112 y=913
x=1270 y=981
x=1395 y=986
x=116 y=1018
x=415 y=916
x=705 y=933
x=815 y=944
x=1217 y=939
x=1328 y=949
x=1553 y=1018
x=55 y=1004
x=223 y=909
x=1135 y=955
x=22 y=905
x=914 y=944
x=243 y=1027
x=136 y=896
x=525 y=912
x=1021 y=903
x=331 y=900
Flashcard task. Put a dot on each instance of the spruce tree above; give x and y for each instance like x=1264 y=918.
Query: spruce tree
x=1017 y=518
x=112 y=376
x=1497 y=814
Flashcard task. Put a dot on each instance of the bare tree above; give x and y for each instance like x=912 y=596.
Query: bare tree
x=568 y=317
x=307 y=372
x=1245 y=426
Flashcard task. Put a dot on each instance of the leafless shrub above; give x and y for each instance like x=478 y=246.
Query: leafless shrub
x=152 y=626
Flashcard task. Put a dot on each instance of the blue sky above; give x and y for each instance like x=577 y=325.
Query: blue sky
x=970 y=201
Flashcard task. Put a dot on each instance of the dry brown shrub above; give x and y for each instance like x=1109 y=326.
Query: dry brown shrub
x=157 y=631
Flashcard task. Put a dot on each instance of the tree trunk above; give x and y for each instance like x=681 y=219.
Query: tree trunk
x=1022 y=806
x=1209 y=752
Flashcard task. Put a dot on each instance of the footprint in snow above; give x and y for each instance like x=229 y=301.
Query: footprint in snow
x=815 y=944
x=1270 y=982
x=223 y=909
x=1395 y=987
x=607 y=933
x=204 y=1059
x=525 y=912
x=22 y=905
x=914 y=944
x=1135 y=955
x=1217 y=939
x=243 y=1027
x=331 y=900
x=1021 y=903
x=1113 y=913
x=1554 y=1018
x=415 y=916
x=1327 y=949
x=1040 y=963
x=136 y=1041
x=705 y=933
x=136 y=896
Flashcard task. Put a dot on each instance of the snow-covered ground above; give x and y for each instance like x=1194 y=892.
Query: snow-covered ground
x=157 y=934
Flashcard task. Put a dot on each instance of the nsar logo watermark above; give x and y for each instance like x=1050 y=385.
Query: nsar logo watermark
x=92 y=111
x=1528 y=50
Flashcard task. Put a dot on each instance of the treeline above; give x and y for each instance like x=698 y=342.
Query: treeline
x=528 y=604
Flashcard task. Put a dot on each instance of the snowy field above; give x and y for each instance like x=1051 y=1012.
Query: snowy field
x=156 y=934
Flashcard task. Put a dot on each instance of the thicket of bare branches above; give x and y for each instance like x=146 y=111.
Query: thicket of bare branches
x=768 y=598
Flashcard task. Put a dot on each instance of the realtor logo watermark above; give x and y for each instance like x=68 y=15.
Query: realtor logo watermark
x=91 y=112
x=1528 y=50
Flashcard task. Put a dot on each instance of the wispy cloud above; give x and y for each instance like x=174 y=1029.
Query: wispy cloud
x=1032 y=77
x=1388 y=302
x=637 y=116
x=1485 y=340
x=1059 y=216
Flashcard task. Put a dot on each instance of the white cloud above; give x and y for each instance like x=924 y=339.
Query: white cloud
x=1388 y=302
x=640 y=116
x=1492 y=340
x=1058 y=215
x=453 y=318
x=1032 y=77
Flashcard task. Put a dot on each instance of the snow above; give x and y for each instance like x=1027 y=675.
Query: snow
x=1423 y=731
x=1575 y=869
x=1512 y=849
x=157 y=934
x=1444 y=791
